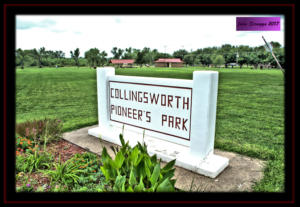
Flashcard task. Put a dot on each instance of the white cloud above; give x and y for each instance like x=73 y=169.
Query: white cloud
x=169 y=33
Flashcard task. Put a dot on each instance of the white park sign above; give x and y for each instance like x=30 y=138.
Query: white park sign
x=158 y=108
x=177 y=117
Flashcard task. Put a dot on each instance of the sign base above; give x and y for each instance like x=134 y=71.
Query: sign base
x=211 y=166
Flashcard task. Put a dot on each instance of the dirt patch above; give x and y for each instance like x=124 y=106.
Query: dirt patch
x=63 y=149
x=35 y=179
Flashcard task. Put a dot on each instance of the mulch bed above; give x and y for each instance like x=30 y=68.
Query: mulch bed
x=63 y=149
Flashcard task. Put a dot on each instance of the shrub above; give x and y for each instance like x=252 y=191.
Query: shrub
x=50 y=129
x=133 y=170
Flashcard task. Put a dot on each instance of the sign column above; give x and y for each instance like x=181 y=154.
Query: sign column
x=103 y=94
x=205 y=89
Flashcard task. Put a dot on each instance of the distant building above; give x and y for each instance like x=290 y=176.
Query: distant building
x=169 y=62
x=122 y=63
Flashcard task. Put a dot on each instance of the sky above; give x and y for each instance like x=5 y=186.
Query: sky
x=167 y=33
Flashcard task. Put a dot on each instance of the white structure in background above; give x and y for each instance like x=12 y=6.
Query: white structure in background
x=177 y=116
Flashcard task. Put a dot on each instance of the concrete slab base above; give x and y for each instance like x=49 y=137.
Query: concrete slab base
x=239 y=176
x=211 y=166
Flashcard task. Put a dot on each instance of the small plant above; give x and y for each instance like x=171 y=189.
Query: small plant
x=40 y=189
x=133 y=170
x=23 y=145
x=89 y=164
x=20 y=160
x=65 y=172
x=30 y=159
x=25 y=188
x=88 y=161
x=33 y=162
x=58 y=187
x=89 y=187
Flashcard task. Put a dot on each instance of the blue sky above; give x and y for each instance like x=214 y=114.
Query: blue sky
x=166 y=33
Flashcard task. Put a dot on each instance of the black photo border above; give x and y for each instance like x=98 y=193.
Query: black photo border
x=12 y=9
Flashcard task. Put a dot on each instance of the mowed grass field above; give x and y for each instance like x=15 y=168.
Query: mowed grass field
x=250 y=108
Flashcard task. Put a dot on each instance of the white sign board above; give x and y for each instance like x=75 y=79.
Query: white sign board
x=177 y=116
x=153 y=107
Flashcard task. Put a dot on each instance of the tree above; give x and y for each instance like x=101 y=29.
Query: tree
x=47 y=54
x=59 y=55
x=75 y=56
x=218 y=60
x=191 y=59
x=42 y=52
x=259 y=49
x=93 y=57
x=102 y=58
x=254 y=60
x=117 y=53
x=114 y=51
x=140 y=58
x=37 y=55
x=226 y=48
x=188 y=59
x=263 y=57
x=129 y=53
x=161 y=55
x=209 y=50
x=244 y=48
x=242 y=60
x=145 y=56
x=21 y=55
x=148 y=56
x=229 y=58
x=275 y=44
x=279 y=53
x=204 y=59
x=180 y=54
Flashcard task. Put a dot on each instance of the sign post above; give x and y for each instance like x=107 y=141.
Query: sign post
x=177 y=117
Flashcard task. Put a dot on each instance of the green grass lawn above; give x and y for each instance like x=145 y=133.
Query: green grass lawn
x=250 y=109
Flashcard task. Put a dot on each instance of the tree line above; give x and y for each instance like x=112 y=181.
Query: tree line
x=227 y=55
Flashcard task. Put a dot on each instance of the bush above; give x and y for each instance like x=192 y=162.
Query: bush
x=50 y=129
x=133 y=170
